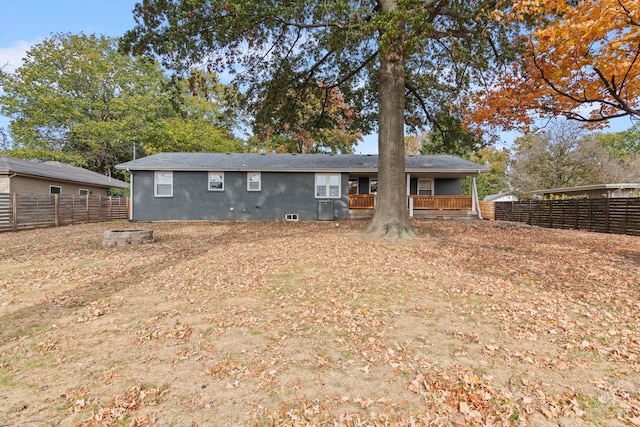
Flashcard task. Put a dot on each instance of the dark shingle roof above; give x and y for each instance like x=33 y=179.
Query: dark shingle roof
x=294 y=163
x=58 y=171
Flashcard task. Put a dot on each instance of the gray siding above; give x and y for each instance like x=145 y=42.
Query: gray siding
x=282 y=193
x=447 y=187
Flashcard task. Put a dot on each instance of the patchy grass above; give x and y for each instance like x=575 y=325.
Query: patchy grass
x=264 y=324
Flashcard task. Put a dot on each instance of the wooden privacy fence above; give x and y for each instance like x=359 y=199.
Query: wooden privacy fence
x=487 y=209
x=619 y=215
x=22 y=211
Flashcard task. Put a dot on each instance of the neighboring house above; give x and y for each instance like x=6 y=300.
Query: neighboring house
x=36 y=177
x=501 y=197
x=260 y=187
x=598 y=191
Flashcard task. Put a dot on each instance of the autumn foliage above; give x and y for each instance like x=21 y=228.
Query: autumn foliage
x=581 y=61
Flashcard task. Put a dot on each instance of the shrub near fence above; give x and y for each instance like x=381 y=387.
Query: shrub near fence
x=22 y=211
x=619 y=215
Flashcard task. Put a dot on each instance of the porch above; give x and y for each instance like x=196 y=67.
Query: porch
x=364 y=204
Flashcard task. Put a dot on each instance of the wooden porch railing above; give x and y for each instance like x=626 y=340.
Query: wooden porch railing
x=441 y=202
x=361 y=201
x=366 y=201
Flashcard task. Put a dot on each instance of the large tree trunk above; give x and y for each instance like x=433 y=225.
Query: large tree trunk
x=391 y=218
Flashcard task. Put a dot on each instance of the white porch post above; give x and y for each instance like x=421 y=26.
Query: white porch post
x=475 y=203
x=408 y=185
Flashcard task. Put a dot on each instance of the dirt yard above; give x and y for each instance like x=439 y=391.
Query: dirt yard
x=315 y=323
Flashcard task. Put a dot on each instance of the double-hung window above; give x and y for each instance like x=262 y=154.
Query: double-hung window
x=425 y=187
x=216 y=181
x=163 y=184
x=328 y=185
x=254 y=181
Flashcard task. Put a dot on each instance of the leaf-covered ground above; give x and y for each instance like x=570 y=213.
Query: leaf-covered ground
x=315 y=323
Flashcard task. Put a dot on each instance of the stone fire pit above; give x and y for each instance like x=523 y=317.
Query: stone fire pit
x=126 y=237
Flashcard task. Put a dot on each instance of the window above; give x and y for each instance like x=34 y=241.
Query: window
x=163 y=184
x=254 y=180
x=84 y=192
x=425 y=187
x=353 y=185
x=373 y=186
x=216 y=181
x=328 y=185
x=55 y=189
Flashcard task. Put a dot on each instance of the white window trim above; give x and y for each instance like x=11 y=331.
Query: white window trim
x=259 y=174
x=328 y=192
x=85 y=190
x=209 y=180
x=55 y=186
x=155 y=184
x=421 y=180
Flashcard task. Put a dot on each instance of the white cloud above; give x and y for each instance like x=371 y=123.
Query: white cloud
x=11 y=57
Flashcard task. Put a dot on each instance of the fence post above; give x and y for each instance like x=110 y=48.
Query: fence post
x=56 y=209
x=530 y=219
x=86 y=209
x=110 y=218
x=577 y=216
x=607 y=216
x=626 y=217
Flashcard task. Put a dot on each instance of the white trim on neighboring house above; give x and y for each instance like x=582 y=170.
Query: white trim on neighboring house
x=51 y=187
x=83 y=192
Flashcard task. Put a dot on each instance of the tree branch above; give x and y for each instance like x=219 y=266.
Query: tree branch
x=413 y=91
x=355 y=71
x=620 y=105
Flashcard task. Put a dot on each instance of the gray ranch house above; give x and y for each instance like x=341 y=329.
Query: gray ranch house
x=267 y=187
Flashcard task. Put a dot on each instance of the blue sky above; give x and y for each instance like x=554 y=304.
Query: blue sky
x=26 y=22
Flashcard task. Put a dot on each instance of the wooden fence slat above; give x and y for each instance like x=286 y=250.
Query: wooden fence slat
x=619 y=215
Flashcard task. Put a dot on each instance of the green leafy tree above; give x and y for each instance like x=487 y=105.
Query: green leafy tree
x=77 y=98
x=315 y=121
x=206 y=113
x=385 y=56
x=495 y=180
x=623 y=145
x=448 y=136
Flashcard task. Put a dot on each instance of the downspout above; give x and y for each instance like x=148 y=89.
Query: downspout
x=475 y=203
x=130 y=195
